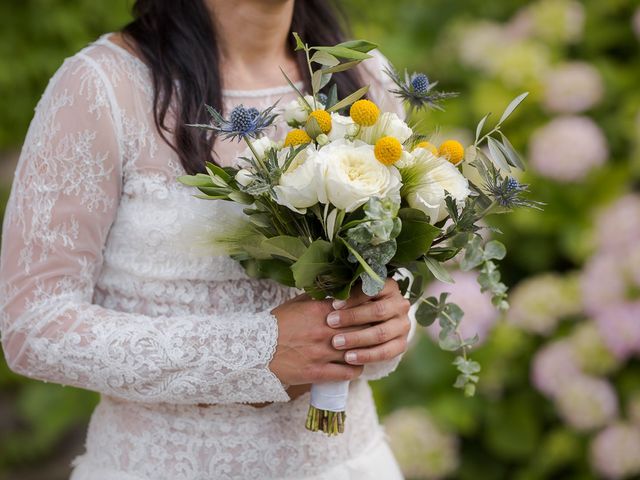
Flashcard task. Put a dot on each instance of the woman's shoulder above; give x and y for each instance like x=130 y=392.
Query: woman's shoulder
x=102 y=61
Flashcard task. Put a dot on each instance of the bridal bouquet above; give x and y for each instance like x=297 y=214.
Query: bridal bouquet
x=354 y=195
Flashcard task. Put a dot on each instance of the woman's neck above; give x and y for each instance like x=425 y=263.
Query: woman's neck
x=253 y=42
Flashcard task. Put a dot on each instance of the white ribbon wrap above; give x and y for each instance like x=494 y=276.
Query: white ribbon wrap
x=331 y=396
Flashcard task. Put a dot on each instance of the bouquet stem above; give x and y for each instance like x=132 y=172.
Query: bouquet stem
x=331 y=423
x=328 y=405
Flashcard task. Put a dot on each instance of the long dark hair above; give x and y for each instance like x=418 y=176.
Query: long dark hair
x=177 y=40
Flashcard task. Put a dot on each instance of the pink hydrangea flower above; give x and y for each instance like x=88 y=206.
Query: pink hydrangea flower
x=619 y=326
x=572 y=88
x=568 y=148
x=615 y=451
x=586 y=403
x=552 y=366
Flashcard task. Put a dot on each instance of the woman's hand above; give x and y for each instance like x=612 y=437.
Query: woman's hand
x=315 y=338
x=304 y=353
x=382 y=325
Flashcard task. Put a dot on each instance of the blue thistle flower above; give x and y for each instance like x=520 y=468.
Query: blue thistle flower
x=242 y=122
x=416 y=90
x=420 y=82
x=508 y=192
x=323 y=98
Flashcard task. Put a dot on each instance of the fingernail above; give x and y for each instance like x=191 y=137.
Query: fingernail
x=338 y=304
x=351 y=357
x=333 y=319
x=339 y=341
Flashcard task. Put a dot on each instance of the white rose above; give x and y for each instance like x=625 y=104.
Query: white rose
x=296 y=111
x=349 y=175
x=388 y=124
x=341 y=127
x=244 y=177
x=429 y=194
x=260 y=145
x=296 y=189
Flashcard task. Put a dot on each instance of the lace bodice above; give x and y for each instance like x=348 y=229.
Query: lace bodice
x=105 y=285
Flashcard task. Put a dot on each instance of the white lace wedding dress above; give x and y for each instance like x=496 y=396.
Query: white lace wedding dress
x=102 y=288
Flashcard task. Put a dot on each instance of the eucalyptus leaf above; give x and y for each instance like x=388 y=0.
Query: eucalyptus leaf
x=438 y=270
x=494 y=250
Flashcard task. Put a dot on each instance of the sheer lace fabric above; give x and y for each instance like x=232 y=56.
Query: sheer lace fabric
x=105 y=285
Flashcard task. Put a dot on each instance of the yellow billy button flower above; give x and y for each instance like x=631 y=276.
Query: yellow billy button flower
x=388 y=150
x=364 y=112
x=297 y=136
x=428 y=146
x=323 y=118
x=452 y=150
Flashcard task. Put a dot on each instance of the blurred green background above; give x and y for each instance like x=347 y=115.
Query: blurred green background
x=559 y=395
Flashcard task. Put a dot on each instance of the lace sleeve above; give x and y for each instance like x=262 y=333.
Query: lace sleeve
x=63 y=202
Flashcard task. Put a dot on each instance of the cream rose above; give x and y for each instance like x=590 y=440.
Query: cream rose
x=388 y=124
x=428 y=194
x=296 y=111
x=297 y=189
x=341 y=127
x=349 y=174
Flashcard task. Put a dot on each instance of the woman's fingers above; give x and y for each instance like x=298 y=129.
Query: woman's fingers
x=334 y=372
x=379 y=353
x=358 y=296
x=376 y=311
x=375 y=335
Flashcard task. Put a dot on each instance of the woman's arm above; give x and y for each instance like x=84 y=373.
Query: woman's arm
x=63 y=202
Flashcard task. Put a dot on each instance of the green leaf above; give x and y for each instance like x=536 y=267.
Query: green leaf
x=359 y=45
x=241 y=197
x=312 y=127
x=270 y=268
x=343 y=52
x=416 y=235
x=299 y=43
x=314 y=261
x=284 y=246
x=512 y=155
x=473 y=255
x=345 y=102
x=332 y=97
x=296 y=89
x=438 y=270
x=426 y=313
x=481 y=126
x=198 y=180
x=319 y=80
x=512 y=106
x=324 y=58
x=341 y=67
x=497 y=156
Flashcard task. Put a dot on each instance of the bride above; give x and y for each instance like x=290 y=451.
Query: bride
x=204 y=373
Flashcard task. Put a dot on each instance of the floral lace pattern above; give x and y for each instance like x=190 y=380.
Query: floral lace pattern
x=105 y=285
